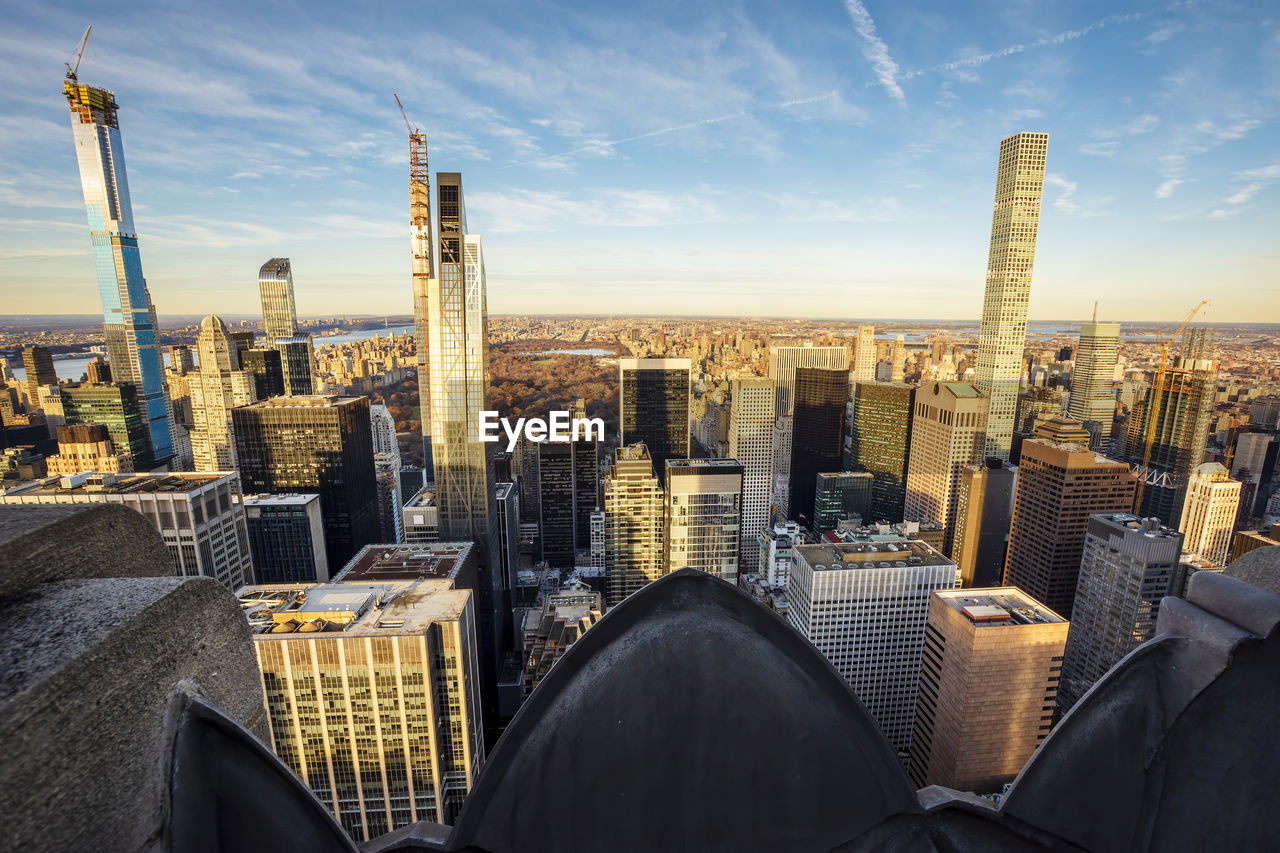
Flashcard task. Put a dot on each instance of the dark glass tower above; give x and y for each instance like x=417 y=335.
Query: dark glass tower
x=317 y=445
x=655 y=407
x=817 y=434
x=555 y=502
x=881 y=438
x=119 y=409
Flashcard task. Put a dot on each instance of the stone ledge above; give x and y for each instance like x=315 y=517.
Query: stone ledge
x=62 y=541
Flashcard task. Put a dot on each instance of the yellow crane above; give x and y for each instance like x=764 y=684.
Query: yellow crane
x=78 y=55
x=1151 y=412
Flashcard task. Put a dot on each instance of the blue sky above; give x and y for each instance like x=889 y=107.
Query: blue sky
x=800 y=159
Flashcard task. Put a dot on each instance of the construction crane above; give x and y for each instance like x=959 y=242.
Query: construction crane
x=78 y=55
x=1151 y=413
x=419 y=232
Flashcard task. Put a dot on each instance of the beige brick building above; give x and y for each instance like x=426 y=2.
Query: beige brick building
x=992 y=660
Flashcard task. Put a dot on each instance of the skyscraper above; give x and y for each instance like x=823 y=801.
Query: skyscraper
x=1128 y=566
x=898 y=369
x=280 y=326
x=633 y=532
x=751 y=433
x=318 y=445
x=1209 y=512
x=423 y=271
x=946 y=435
x=129 y=318
x=1181 y=405
x=980 y=644
x=654 y=395
x=1016 y=217
x=458 y=347
x=984 y=513
x=286 y=538
x=839 y=495
x=586 y=480
x=118 y=408
x=818 y=432
x=704 y=516
x=783 y=363
x=38 y=362
x=267 y=369
x=881 y=440
x=1059 y=486
x=1092 y=399
x=217 y=387
x=864 y=605
x=386 y=466
x=555 y=503
x=864 y=355
x=371 y=693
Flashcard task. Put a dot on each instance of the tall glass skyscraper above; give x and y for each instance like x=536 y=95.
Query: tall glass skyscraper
x=1019 y=187
x=128 y=317
x=280 y=326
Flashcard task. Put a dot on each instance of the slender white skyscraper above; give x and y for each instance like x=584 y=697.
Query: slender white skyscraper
x=1019 y=186
x=751 y=432
x=864 y=355
x=1092 y=398
x=128 y=317
x=1209 y=512
x=217 y=387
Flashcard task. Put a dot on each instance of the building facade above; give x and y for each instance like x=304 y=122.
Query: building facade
x=984 y=514
x=864 y=606
x=1129 y=565
x=840 y=495
x=751 y=432
x=633 y=534
x=217 y=387
x=992 y=660
x=947 y=434
x=1093 y=401
x=1209 y=512
x=704 y=516
x=654 y=406
x=129 y=318
x=280 y=327
x=118 y=408
x=371 y=695
x=286 y=538
x=314 y=445
x=817 y=435
x=1059 y=486
x=1011 y=256
x=881 y=443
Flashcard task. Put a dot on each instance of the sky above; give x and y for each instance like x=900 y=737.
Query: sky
x=800 y=159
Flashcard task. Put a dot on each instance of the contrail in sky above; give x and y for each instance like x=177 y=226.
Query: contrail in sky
x=611 y=143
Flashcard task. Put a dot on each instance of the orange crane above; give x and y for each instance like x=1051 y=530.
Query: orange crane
x=1152 y=400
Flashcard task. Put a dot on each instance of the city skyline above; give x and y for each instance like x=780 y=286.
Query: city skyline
x=892 y=112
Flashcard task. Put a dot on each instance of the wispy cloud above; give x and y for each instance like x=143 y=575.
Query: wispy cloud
x=875 y=50
x=511 y=211
x=815 y=208
x=604 y=147
x=1262 y=178
x=1068 y=203
x=1165 y=190
x=1047 y=41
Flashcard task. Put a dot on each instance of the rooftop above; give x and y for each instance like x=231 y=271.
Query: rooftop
x=424 y=497
x=1149 y=527
x=895 y=552
x=311 y=401
x=116 y=484
x=280 y=500
x=697 y=466
x=1000 y=606
x=276 y=611
x=406 y=562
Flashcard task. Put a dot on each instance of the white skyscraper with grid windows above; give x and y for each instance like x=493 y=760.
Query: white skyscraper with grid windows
x=751 y=432
x=1019 y=187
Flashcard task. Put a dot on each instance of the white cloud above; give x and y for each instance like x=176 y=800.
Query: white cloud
x=1068 y=203
x=875 y=50
x=1165 y=190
